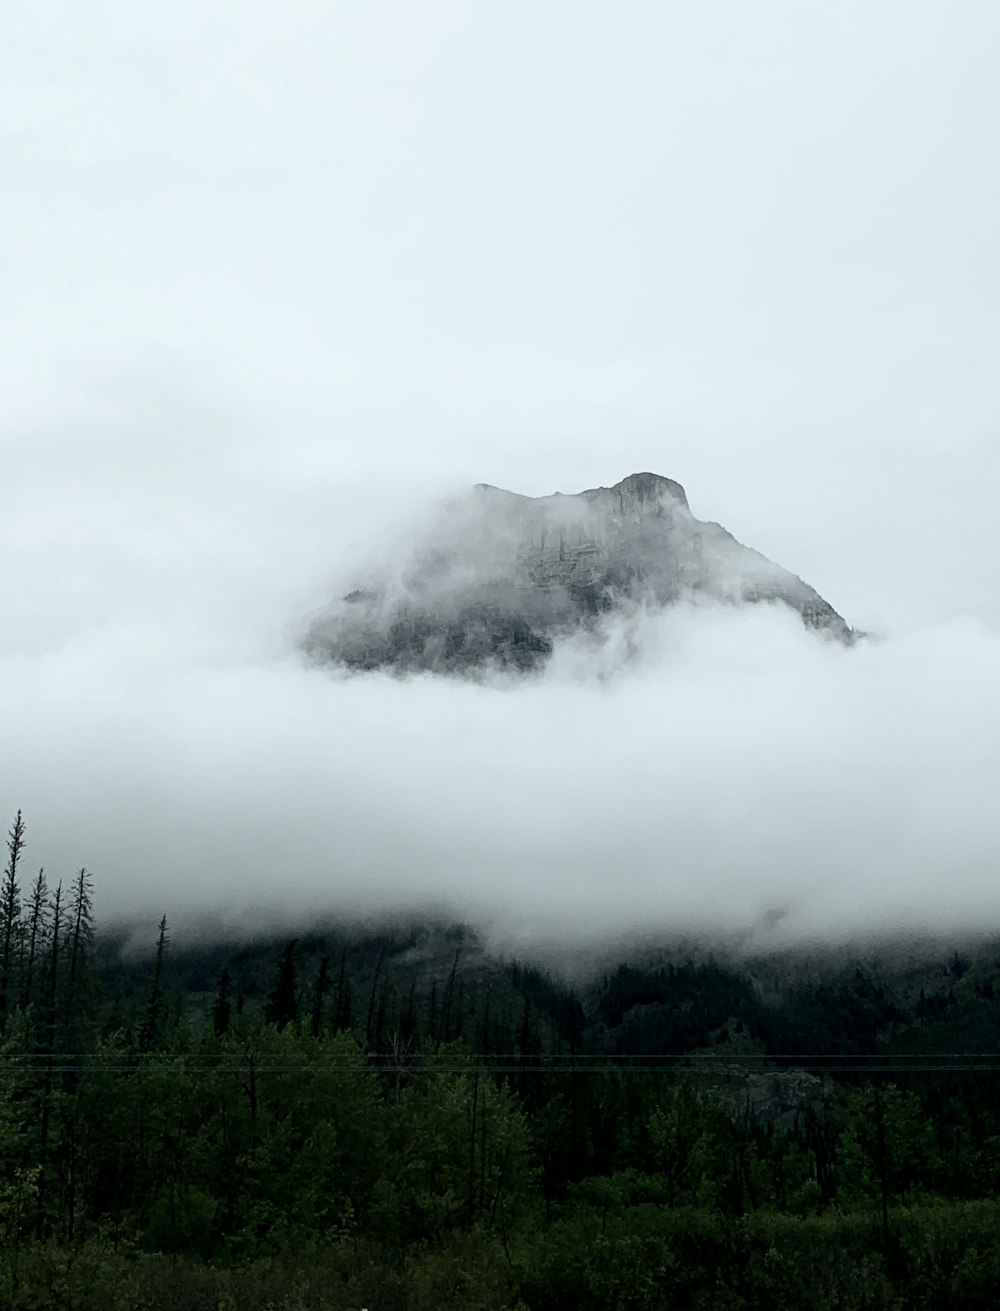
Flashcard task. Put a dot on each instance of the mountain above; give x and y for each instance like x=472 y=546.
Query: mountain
x=498 y=577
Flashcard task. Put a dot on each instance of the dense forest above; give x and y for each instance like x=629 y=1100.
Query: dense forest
x=397 y=1118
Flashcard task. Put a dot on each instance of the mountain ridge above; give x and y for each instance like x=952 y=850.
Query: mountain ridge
x=499 y=577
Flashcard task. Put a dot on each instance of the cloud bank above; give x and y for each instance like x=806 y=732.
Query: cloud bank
x=703 y=769
x=272 y=282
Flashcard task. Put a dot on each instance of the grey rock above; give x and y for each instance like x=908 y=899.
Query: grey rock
x=498 y=578
x=773 y=1096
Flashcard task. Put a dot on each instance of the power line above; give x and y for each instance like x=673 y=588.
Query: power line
x=319 y=1068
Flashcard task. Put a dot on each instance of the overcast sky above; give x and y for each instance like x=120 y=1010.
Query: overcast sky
x=273 y=277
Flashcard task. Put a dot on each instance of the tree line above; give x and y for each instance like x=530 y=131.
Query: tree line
x=318 y=1128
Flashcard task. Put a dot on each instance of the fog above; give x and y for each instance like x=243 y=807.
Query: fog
x=272 y=290
x=706 y=768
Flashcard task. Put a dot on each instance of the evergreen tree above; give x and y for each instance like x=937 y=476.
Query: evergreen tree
x=151 y=1029
x=380 y=1017
x=52 y=972
x=448 y=994
x=79 y=937
x=372 y=996
x=343 y=1016
x=37 y=927
x=10 y=915
x=222 y=1010
x=47 y=1048
x=81 y=923
x=408 y=1026
x=283 y=1003
x=319 y=993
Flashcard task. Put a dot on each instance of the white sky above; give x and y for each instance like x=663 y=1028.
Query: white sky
x=271 y=275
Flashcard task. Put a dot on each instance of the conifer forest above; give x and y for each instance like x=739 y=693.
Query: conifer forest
x=395 y=1118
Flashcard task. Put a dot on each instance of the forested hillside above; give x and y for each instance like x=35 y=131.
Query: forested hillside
x=399 y=1118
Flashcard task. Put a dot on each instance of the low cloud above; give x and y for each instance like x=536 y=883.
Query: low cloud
x=706 y=769
x=277 y=283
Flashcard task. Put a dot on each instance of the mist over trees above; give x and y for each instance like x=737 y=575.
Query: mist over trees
x=399 y=1119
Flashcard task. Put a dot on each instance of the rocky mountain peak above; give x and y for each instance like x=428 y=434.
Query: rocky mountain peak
x=642 y=491
x=498 y=578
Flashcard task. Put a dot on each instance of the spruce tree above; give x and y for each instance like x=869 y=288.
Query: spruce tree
x=79 y=938
x=10 y=915
x=282 y=1003
x=343 y=1016
x=372 y=996
x=52 y=971
x=448 y=994
x=319 y=993
x=408 y=1025
x=81 y=922
x=222 y=1010
x=37 y=928
x=151 y=1029
x=47 y=1048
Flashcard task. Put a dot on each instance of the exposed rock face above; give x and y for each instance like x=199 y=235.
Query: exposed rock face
x=500 y=577
x=772 y=1096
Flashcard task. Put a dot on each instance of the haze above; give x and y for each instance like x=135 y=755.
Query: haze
x=272 y=283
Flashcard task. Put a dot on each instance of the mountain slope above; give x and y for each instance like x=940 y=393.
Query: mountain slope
x=499 y=577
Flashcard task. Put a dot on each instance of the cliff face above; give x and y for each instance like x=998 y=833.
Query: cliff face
x=500 y=577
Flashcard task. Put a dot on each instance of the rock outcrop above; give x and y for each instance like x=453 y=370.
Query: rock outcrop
x=500 y=577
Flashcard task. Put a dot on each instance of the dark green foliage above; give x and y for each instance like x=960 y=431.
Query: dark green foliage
x=10 y=915
x=79 y=941
x=476 y=1134
x=35 y=932
x=222 y=1011
x=320 y=989
x=283 y=1000
x=152 y=1028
